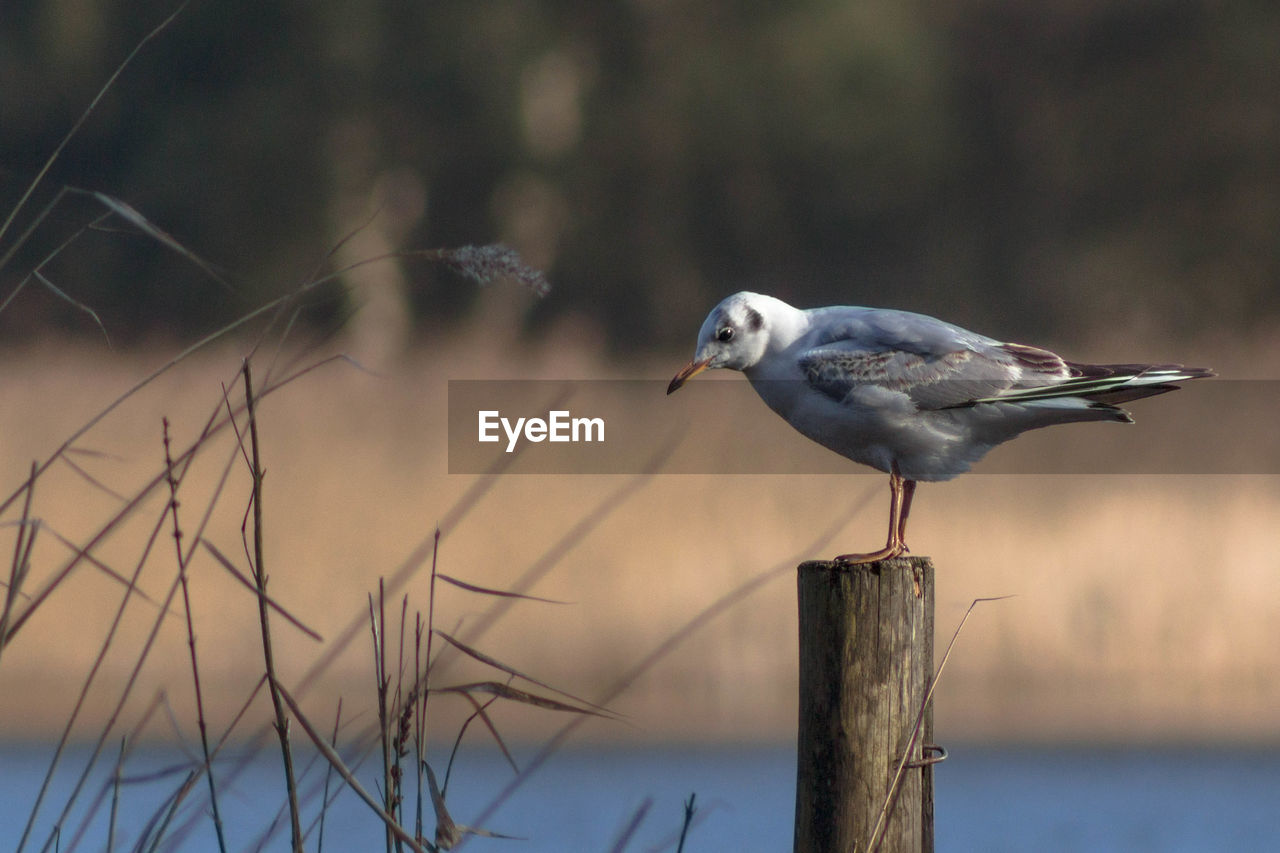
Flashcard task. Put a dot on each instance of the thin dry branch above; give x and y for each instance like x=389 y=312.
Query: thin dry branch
x=422 y=675
x=336 y=762
x=115 y=794
x=226 y=563
x=201 y=723
x=689 y=812
x=481 y=713
x=501 y=593
x=75 y=128
x=328 y=772
x=90 y=479
x=449 y=832
x=21 y=553
x=131 y=215
x=877 y=832
x=506 y=691
x=509 y=670
x=79 y=306
x=633 y=823
x=377 y=628
x=98 y=564
x=260 y=580
x=159 y=823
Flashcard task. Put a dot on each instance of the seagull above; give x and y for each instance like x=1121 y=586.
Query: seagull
x=905 y=393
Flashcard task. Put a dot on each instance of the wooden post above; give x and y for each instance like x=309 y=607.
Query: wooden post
x=866 y=659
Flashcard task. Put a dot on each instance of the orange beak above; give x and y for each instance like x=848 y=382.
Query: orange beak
x=687 y=372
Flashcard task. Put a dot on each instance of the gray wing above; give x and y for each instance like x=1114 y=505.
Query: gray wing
x=936 y=364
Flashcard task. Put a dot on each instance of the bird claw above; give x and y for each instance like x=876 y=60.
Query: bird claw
x=886 y=553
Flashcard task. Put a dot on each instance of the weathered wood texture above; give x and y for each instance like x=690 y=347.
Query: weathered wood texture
x=866 y=657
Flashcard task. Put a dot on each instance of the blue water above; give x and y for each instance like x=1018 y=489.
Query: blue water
x=988 y=799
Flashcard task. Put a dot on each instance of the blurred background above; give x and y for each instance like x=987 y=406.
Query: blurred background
x=1101 y=178
x=1057 y=169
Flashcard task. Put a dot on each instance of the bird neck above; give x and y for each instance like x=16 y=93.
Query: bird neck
x=786 y=325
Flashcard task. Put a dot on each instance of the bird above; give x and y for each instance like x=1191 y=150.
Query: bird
x=908 y=394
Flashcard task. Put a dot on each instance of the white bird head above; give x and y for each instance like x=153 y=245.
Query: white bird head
x=735 y=335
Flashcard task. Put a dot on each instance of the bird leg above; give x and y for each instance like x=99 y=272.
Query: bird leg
x=901 y=491
x=908 y=492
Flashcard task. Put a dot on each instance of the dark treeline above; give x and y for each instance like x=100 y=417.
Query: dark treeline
x=1019 y=167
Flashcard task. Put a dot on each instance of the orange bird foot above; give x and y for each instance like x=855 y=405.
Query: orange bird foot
x=888 y=552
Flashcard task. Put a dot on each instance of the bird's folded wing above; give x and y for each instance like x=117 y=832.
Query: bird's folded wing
x=932 y=382
x=936 y=364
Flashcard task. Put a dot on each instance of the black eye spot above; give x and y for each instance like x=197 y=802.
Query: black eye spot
x=725 y=334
